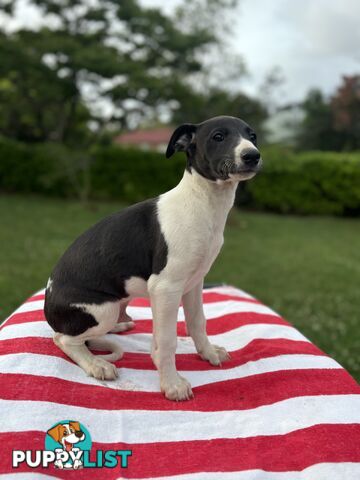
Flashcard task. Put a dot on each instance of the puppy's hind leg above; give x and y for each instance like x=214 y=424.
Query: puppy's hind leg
x=93 y=365
x=105 y=343
x=125 y=322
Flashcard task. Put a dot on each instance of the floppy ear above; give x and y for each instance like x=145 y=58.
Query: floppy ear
x=75 y=425
x=56 y=432
x=180 y=139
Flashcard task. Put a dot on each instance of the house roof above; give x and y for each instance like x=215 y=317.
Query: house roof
x=154 y=136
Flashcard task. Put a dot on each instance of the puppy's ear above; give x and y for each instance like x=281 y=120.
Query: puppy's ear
x=56 y=432
x=181 y=139
x=75 y=425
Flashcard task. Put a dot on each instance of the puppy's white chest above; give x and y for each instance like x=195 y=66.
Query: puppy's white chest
x=192 y=219
x=199 y=249
x=207 y=242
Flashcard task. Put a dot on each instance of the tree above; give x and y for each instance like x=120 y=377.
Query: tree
x=345 y=106
x=216 y=101
x=32 y=95
x=332 y=123
x=316 y=131
x=118 y=52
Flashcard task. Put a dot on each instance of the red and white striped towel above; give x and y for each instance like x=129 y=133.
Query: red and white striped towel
x=280 y=409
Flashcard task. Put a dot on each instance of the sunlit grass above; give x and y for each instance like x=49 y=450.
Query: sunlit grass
x=306 y=268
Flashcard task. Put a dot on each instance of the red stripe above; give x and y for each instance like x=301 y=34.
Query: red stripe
x=34 y=298
x=293 y=451
x=255 y=350
x=240 y=394
x=214 y=326
x=24 y=317
x=208 y=297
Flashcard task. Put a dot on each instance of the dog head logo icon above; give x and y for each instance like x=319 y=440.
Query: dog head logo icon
x=68 y=442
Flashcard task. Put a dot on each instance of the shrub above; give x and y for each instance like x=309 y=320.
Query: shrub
x=106 y=172
x=133 y=175
x=305 y=183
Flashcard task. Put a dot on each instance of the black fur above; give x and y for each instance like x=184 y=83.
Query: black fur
x=207 y=156
x=95 y=267
x=130 y=243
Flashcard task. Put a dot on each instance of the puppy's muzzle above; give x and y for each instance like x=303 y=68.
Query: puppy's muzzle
x=250 y=158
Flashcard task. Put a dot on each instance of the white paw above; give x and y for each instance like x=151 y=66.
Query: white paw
x=178 y=389
x=59 y=464
x=215 y=355
x=102 y=370
x=77 y=464
x=123 y=326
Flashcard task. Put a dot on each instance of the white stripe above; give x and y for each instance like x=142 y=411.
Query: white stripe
x=32 y=306
x=222 y=289
x=141 y=342
x=320 y=471
x=141 y=426
x=212 y=310
x=148 y=380
x=229 y=290
x=38 y=305
x=39 y=292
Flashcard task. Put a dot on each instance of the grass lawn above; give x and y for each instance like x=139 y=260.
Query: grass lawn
x=306 y=268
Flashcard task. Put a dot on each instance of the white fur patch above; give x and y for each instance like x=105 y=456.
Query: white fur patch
x=192 y=218
x=240 y=147
x=49 y=285
x=106 y=314
x=136 y=287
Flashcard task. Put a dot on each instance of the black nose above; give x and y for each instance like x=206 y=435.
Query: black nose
x=250 y=157
x=79 y=433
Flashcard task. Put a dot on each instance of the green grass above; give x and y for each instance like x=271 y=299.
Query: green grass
x=306 y=268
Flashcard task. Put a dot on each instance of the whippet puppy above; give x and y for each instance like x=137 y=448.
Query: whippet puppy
x=161 y=248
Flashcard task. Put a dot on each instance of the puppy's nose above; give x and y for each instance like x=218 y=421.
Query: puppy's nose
x=79 y=434
x=250 y=157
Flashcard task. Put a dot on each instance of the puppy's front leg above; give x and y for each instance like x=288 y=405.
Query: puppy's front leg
x=196 y=327
x=165 y=304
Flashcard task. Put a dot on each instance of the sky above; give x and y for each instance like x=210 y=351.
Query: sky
x=313 y=42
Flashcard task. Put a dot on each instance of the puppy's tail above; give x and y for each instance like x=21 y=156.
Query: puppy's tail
x=107 y=344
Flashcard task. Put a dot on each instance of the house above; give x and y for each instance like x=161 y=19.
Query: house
x=149 y=139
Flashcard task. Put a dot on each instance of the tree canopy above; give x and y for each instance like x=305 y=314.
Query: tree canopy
x=332 y=123
x=117 y=62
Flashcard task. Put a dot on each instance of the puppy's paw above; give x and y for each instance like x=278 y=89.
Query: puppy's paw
x=59 y=464
x=77 y=464
x=215 y=355
x=123 y=326
x=102 y=370
x=178 y=389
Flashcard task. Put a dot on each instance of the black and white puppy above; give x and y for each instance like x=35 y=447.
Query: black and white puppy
x=161 y=248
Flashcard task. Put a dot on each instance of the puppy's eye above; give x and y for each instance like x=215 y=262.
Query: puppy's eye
x=253 y=137
x=218 y=137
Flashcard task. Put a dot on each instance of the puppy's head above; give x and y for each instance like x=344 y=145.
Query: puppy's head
x=220 y=149
x=67 y=434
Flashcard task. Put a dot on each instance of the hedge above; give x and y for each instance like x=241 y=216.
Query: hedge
x=304 y=183
x=133 y=175
x=105 y=172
